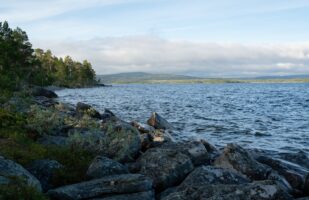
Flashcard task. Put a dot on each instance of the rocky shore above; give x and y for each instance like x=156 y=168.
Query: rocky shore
x=132 y=161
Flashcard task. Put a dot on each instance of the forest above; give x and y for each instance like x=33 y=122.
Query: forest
x=21 y=64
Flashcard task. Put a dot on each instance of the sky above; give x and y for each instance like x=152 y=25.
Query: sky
x=222 y=38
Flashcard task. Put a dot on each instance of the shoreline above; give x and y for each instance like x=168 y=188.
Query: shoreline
x=151 y=165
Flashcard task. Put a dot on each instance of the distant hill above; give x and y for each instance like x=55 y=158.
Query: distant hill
x=141 y=77
x=138 y=77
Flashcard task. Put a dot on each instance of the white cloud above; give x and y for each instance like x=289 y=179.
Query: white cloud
x=152 y=54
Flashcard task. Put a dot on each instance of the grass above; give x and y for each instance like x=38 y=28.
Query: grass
x=17 y=144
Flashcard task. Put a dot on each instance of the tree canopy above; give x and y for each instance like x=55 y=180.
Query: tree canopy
x=21 y=64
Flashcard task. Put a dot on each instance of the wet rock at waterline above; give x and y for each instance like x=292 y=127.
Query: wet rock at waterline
x=39 y=91
x=148 y=195
x=238 y=159
x=158 y=122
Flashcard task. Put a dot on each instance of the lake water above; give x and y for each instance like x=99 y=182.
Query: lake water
x=267 y=116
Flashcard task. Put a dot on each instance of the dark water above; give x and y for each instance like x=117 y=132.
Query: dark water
x=266 y=116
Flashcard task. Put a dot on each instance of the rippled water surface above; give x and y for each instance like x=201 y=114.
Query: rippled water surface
x=267 y=116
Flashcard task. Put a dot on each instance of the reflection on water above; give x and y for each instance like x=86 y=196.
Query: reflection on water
x=267 y=116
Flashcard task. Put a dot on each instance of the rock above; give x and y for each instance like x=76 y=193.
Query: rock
x=158 y=122
x=166 y=167
x=275 y=176
x=238 y=159
x=143 y=128
x=39 y=91
x=195 y=150
x=293 y=173
x=207 y=175
x=122 y=141
x=148 y=195
x=4 y=180
x=259 y=190
x=9 y=168
x=107 y=115
x=115 y=184
x=45 y=101
x=53 y=140
x=213 y=175
x=102 y=166
x=44 y=170
x=301 y=158
x=85 y=109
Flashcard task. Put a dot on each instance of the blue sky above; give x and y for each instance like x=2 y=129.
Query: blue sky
x=197 y=37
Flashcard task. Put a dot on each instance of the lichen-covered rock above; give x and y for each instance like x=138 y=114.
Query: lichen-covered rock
x=143 y=128
x=238 y=159
x=9 y=168
x=195 y=150
x=85 y=109
x=44 y=170
x=259 y=190
x=148 y=195
x=166 y=167
x=293 y=173
x=115 y=184
x=213 y=175
x=122 y=141
x=158 y=122
x=102 y=166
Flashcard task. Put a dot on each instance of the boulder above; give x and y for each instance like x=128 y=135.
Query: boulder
x=148 y=195
x=143 y=128
x=195 y=150
x=4 y=180
x=9 y=168
x=167 y=167
x=301 y=158
x=44 y=101
x=293 y=173
x=39 y=91
x=85 y=109
x=238 y=159
x=107 y=115
x=102 y=166
x=109 y=185
x=261 y=190
x=306 y=186
x=158 y=122
x=122 y=141
x=213 y=175
x=44 y=170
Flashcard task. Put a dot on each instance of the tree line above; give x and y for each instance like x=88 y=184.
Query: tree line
x=21 y=64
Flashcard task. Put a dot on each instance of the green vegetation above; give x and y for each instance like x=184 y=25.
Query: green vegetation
x=20 y=64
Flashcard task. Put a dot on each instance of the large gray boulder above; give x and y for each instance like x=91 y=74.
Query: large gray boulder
x=9 y=168
x=293 y=173
x=122 y=141
x=259 y=190
x=109 y=185
x=158 y=122
x=195 y=150
x=166 y=167
x=213 y=175
x=44 y=170
x=238 y=159
x=102 y=166
x=148 y=195
x=301 y=158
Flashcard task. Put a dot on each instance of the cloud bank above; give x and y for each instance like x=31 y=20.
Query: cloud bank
x=156 y=55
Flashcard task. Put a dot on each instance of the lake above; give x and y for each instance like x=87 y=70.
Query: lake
x=267 y=116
